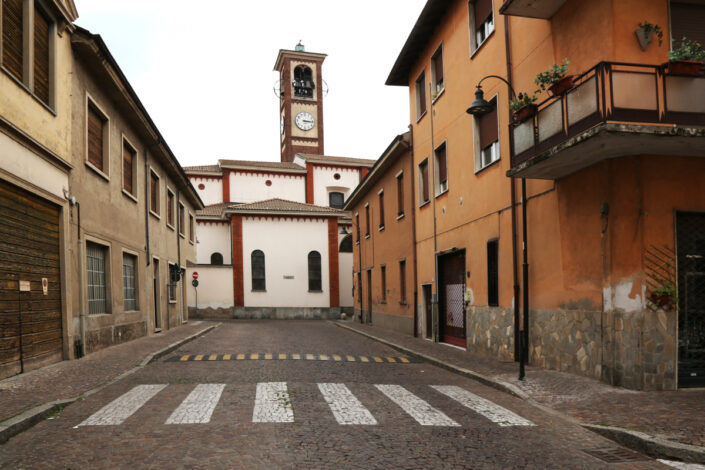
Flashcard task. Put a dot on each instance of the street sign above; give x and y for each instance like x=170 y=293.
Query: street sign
x=194 y=283
x=45 y=286
x=195 y=275
x=24 y=286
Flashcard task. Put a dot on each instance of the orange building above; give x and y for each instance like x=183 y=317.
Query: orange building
x=585 y=218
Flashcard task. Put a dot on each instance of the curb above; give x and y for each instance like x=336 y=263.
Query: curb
x=25 y=420
x=641 y=442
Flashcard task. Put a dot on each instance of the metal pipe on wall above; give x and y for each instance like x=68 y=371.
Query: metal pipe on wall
x=413 y=230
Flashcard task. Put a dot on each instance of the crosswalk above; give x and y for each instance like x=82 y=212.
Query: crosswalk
x=273 y=404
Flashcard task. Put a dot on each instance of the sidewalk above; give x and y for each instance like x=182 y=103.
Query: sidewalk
x=27 y=398
x=662 y=424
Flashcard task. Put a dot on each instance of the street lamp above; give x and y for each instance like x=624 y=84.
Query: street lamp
x=481 y=106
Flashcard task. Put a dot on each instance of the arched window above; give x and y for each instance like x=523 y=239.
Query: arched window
x=217 y=259
x=346 y=244
x=258 y=270
x=314 y=271
x=303 y=81
x=336 y=199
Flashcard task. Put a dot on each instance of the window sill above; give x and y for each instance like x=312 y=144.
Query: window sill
x=472 y=55
x=442 y=193
x=487 y=166
x=172 y=302
x=357 y=242
x=98 y=171
x=424 y=204
x=258 y=290
x=367 y=236
x=418 y=119
x=381 y=228
x=439 y=94
x=400 y=216
x=315 y=291
x=170 y=226
x=129 y=196
x=402 y=302
x=154 y=214
x=182 y=235
x=383 y=302
x=21 y=84
x=190 y=242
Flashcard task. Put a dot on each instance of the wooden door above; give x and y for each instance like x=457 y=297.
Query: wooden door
x=428 y=309
x=451 y=306
x=30 y=321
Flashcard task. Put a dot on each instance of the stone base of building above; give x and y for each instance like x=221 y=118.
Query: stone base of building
x=490 y=331
x=266 y=313
x=97 y=339
x=397 y=323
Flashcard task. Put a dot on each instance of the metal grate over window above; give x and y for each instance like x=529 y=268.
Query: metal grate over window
x=314 y=271
x=95 y=274
x=258 y=271
x=128 y=277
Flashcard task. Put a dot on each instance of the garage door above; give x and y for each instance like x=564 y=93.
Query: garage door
x=30 y=321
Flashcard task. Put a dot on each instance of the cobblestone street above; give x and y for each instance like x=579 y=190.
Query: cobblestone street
x=280 y=412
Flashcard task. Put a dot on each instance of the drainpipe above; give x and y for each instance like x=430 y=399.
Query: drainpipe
x=146 y=205
x=413 y=229
x=81 y=289
x=525 y=275
x=432 y=193
x=178 y=242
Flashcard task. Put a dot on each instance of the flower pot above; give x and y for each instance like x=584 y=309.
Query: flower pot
x=525 y=112
x=644 y=37
x=561 y=86
x=689 y=68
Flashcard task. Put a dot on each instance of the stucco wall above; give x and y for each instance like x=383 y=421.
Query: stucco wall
x=324 y=182
x=213 y=191
x=345 y=267
x=215 y=287
x=213 y=237
x=286 y=244
x=252 y=187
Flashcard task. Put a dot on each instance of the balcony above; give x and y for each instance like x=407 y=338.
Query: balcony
x=614 y=110
x=543 y=9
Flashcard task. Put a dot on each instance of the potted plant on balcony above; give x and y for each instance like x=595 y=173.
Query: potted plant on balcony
x=686 y=59
x=555 y=79
x=664 y=296
x=646 y=32
x=523 y=106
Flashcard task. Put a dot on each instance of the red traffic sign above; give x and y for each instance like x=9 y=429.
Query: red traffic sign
x=195 y=275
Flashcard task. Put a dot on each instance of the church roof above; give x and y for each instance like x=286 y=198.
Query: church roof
x=203 y=169
x=282 y=206
x=214 y=210
x=280 y=167
x=340 y=161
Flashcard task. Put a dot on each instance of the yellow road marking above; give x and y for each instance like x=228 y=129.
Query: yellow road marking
x=227 y=357
x=198 y=358
x=310 y=357
x=254 y=356
x=350 y=358
x=377 y=359
x=404 y=360
x=240 y=357
x=296 y=356
x=391 y=359
x=212 y=357
x=364 y=359
x=337 y=358
x=282 y=356
x=323 y=357
x=184 y=358
x=267 y=356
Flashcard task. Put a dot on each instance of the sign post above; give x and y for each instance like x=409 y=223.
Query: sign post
x=194 y=283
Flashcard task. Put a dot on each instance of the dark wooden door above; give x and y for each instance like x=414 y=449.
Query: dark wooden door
x=428 y=309
x=157 y=296
x=451 y=307
x=30 y=321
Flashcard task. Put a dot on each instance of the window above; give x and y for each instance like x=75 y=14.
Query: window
x=173 y=281
x=336 y=200
x=357 y=227
x=437 y=72
x=42 y=41
x=170 y=208
x=97 y=138
x=182 y=222
x=442 y=173
x=217 y=259
x=381 y=210
x=346 y=244
x=402 y=281
x=400 y=195
x=96 y=256
x=303 y=82
x=481 y=22
x=367 y=220
x=421 y=95
x=383 y=285
x=423 y=182
x=258 y=279
x=129 y=167
x=314 y=272
x=129 y=262
x=687 y=20
x=154 y=193
x=493 y=273
x=487 y=128
x=191 y=228
x=13 y=37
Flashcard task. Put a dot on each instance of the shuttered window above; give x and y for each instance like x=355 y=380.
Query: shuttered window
x=381 y=210
x=420 y=95
x=129 y=161
x=129 y=264
x=483 y=12
x=423 y=181
x=402 y=281
x=170 y=208
x=96 y=278
x=314 y=271
x=400 y=195
x=383 y=285
x=96 y=122
x=191 y=228
x=493 y=273
x=488 y=128
x=441 y=164
x=367 y=221
x=41 y=55
x=153 y=192
x=258 y=279
x=687 y=20
x=437 y=62
x=182 y=231
x=12 y=37
x=357 y=227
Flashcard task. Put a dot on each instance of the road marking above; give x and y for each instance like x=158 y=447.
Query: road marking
x=391 y=359
x=227 y=357
x=350 y=358
x=346 y=408
x=285 y=356
x=185 y=358
x=336 y=357
x=377 y=359
x=486 y=408
x=296 y=356
x=282 y=356
x=323 y=357
x=254 y=356
x=198 y=407
x=268 y=356
x=310 y=357
x=272 y=404
x=198 y=357
x=404 y=360
x=240 y=357
x=212 y=357
x=123 y=407
x=364 y=359
x=415 y=407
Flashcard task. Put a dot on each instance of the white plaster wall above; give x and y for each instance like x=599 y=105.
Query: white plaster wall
x=325 y=182
x=213 y=192
x=251 y=187
x=345 y=271
x=286 y=244
x=213 y=237
x=215 y=287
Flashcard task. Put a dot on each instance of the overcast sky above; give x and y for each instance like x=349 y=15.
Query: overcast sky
x=204 y=70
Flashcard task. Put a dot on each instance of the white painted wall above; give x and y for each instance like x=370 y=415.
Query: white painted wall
x=286 y=244
x=345 y=271
x=213 y=237
x=324 y=182
x=215 y=286
x=252 y=187
x=213 y=191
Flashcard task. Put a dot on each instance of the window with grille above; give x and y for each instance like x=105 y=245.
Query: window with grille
x=96 y=140
x=217 y=259
x=314 y=272
x=420 y=95
x=481 y=14
x=383 y=284
x=400 y=195
x=258 y=271
x=336 y=199
x=442 y=173
x=129 y=165
x=303 y=82
x=129 y=278
x=402 y=281
x=170 y=208
x=97 y=293
x=191 y=228
x=423 y=182
x=182 y=223
x=437 y=72
x=487 y=127
x=493 y=273
x=154 y=192
x=381 y=210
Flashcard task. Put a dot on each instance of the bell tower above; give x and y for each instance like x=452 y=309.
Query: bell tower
x=300 y=102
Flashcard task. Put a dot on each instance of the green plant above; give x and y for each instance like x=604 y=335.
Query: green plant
x=522 y=100
x=650 y=29
x=664 y=295
x=688 y=50
x=545 y=79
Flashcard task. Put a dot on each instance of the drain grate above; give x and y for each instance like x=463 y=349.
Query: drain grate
x=615 y=455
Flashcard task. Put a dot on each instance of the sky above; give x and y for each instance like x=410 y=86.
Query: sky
x=206 y=74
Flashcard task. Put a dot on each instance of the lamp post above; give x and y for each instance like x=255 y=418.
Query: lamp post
x=477 y=108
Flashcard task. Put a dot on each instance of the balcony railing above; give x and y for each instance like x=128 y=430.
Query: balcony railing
x=610 y=92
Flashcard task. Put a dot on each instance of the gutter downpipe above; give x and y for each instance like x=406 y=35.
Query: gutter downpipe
x=146 y=205
x=413 y=230
x=525 y=275
x=81 y=290
x=432 y=193
x=178 y=243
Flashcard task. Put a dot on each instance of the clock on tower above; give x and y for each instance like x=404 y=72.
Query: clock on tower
x=301 y=102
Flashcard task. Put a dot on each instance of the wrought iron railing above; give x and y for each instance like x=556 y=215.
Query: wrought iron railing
x=610 y=92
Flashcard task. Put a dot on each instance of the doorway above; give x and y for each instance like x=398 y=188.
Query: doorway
x=690 y=250
x=157 y=297
x=451 y=305
x=428 y=310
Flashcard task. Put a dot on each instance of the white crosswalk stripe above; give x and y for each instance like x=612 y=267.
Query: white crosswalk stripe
x=198 y=407
x=272 y=404
x=486 y=408
x=123 y=407
x=346 y=408
x=417 y=408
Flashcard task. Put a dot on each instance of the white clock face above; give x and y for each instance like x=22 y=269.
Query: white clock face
x=304 y=121
x=281 y=125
